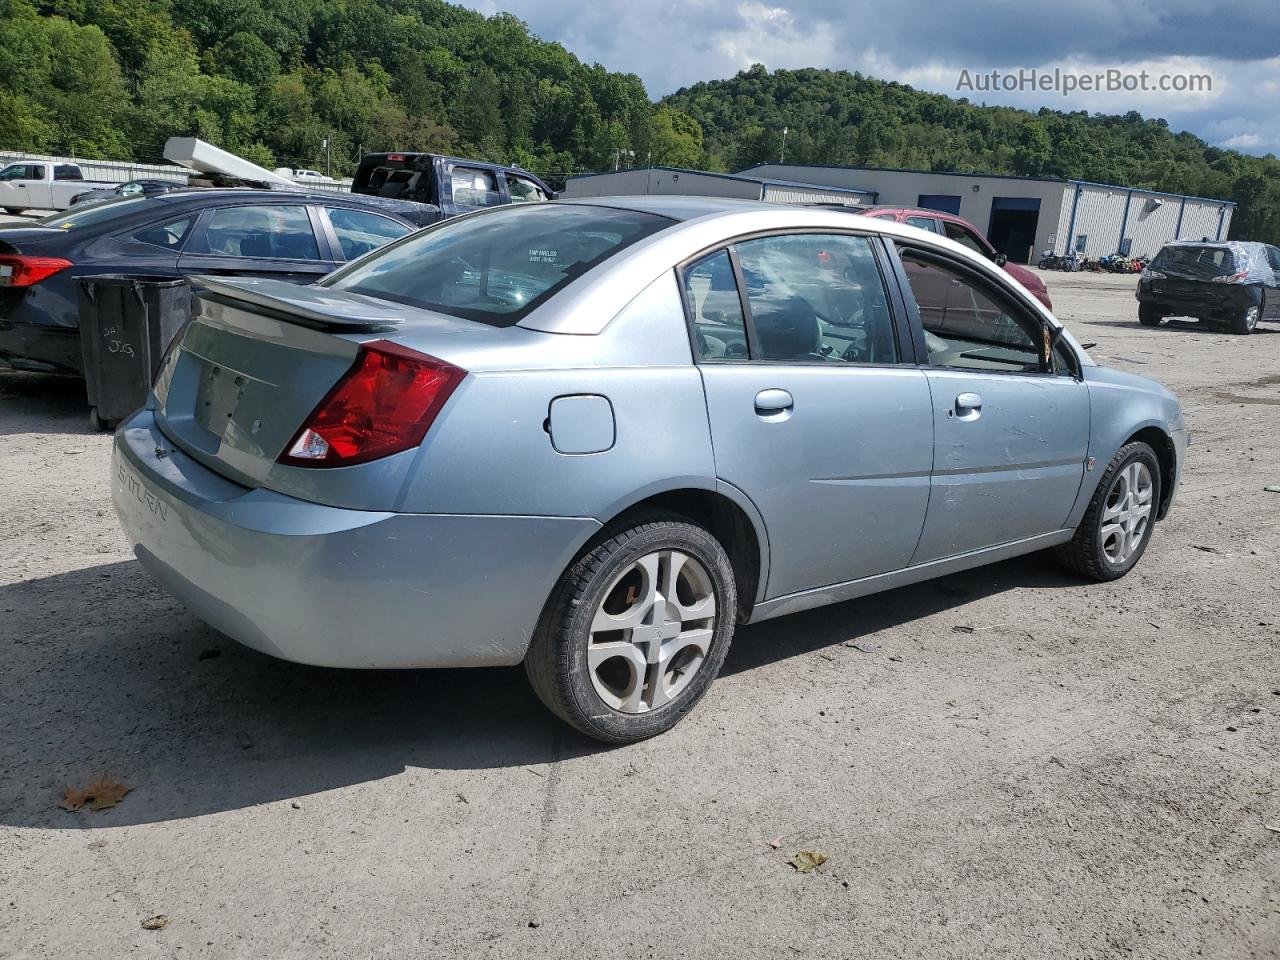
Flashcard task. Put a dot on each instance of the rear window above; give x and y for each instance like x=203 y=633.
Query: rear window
x=497 y=267
x=97 y=213
x=1195 y=261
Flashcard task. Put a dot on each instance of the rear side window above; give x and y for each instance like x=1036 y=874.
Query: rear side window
x=474 y=188
x=278 y=231
x=498 y=267
x=360 y=232
x=166 y=235
x=64 y=171
x=924 y=223
x=719 y=329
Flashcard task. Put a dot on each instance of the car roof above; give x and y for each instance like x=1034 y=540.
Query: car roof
x=675 y=207
x=914 y=212
x=408 y=209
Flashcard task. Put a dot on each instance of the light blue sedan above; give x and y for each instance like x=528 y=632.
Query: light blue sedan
x=595 y=436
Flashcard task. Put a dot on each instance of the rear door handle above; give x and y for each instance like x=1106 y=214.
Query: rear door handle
x=968 y=406
x=774 y=401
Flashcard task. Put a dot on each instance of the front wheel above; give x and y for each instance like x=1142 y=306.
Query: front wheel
x=1149 y=315
x=1245 y=322
x=1117 y=526
x=635 y=631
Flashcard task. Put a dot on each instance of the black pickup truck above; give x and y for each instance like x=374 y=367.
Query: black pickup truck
x=453 y=184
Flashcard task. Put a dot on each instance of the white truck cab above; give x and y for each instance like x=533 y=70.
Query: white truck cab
x=41 y=185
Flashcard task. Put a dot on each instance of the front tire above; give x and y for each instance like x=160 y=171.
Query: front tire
x=14 y=211
x=1149 y=315
x=635 y=630
x=1117 y=526
x=1244 y=322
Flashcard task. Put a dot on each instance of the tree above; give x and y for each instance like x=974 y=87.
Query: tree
x=675 y=139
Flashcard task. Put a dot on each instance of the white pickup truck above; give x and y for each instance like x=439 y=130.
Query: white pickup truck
x=41 y=185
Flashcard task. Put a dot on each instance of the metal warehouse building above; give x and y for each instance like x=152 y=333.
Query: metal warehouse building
x=1024 y=216
x=643 y=181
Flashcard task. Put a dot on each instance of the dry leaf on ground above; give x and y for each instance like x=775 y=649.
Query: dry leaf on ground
x=807 y=860
x=102 y=792
x=158 y=922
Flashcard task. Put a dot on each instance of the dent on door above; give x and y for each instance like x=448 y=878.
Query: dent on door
x=1008 y=460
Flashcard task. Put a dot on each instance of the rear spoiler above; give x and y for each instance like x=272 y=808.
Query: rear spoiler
x=307 y=306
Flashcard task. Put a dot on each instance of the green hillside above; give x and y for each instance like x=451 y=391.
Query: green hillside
x=271 y=79
x=846 y=118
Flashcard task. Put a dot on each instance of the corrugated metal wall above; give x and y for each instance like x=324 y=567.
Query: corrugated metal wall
x=1204 y=218
x=778 y=193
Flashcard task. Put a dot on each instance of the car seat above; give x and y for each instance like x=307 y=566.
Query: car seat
x=788 y=329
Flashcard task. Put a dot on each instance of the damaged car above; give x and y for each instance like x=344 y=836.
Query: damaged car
x=1232 y=282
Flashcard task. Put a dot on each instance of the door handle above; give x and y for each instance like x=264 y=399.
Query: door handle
x=968 y=407
x=773 y=402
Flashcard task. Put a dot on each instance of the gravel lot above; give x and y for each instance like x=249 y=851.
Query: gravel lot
x=1009 y=763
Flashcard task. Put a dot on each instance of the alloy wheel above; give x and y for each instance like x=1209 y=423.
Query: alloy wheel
x=652 y=631
x=1126 y=516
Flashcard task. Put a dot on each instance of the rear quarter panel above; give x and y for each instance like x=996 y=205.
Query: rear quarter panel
x=490 y=451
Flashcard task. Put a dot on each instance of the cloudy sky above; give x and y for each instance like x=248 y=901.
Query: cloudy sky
x=927 y=44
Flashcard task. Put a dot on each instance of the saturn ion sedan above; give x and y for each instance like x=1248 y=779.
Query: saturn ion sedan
x=594 y=436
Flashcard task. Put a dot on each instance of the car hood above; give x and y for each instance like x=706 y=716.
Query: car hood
x=1028 y=278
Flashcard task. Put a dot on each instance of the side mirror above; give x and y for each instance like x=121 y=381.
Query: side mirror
x=1000 y=259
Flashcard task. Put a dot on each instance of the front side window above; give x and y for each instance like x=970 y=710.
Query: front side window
x=816 y=298
x=360 y=232
x=497 y=267
x=719 y=328
x=16 y=172
x=474 y=188
x=523 y=190
x=968 y=325
x=279 y=231
x=963 y=235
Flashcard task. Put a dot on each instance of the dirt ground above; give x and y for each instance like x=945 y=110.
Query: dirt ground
x=1009 y=763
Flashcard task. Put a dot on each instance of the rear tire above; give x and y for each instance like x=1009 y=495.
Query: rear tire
x=1149 y=315
x=14 y=211
x=669 y=587
x=1244 y=322
x=1117 y=527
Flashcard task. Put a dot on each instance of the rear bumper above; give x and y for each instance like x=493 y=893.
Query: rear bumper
x=1206 y=300
x=45 y=349
x=336 y=587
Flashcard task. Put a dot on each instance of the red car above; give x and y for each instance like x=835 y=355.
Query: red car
x=962 y=231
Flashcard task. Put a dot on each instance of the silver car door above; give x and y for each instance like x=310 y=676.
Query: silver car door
x=813 y=416
x=1010 y=435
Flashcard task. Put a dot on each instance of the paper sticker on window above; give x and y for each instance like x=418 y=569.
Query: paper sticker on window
x=543 y=255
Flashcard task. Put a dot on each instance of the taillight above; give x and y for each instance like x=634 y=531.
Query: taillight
x=384 y=404
x=1240 y=276
x=19 y=270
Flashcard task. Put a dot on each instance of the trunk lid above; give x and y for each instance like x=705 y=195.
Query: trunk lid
x=260 y=355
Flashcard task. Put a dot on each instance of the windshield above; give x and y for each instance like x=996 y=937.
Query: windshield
x=497 y=267
x=96 y=213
